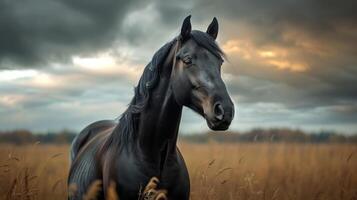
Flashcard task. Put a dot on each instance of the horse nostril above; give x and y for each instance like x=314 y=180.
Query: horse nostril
x=218 y=111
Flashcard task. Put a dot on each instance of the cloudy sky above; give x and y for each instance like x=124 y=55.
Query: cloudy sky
x=66 y=63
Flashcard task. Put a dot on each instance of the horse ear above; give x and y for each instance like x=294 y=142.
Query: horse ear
x=186 y=28
x=212 y=29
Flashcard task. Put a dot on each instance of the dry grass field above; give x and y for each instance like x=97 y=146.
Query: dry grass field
x=218 y=171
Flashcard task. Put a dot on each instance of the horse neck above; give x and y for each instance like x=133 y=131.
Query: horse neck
x=159 y=123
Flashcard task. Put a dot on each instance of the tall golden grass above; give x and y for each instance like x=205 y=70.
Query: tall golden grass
x=261 y=171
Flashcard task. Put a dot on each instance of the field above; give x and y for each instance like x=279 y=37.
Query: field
x=218 y=171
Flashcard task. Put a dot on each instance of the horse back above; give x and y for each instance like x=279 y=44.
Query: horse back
x=87 y=134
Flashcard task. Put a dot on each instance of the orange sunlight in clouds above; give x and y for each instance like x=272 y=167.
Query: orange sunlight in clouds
x=297 y=67
x=267 y=54
x=276 y=57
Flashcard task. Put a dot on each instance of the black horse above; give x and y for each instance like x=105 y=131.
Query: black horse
x=184 y=72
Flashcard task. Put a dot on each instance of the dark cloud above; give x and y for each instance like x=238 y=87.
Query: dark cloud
x=318 y=35
x=42 y=31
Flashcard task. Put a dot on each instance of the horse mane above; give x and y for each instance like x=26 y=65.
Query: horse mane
x=126 y=130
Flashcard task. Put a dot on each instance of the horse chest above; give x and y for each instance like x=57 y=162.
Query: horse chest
x=132 y=176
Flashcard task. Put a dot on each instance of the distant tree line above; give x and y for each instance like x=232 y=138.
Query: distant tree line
x=26 y=137
x=255 y=135
x=273 y=135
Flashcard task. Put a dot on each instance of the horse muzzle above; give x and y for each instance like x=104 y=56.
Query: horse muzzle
x=221 y=116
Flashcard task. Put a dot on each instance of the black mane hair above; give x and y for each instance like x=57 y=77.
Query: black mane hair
x=125 y=131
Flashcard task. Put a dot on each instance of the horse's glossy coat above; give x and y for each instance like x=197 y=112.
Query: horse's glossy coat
x=142 y=144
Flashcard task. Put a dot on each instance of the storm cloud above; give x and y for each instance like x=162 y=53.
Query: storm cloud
x=42 y=31
x=290 y=63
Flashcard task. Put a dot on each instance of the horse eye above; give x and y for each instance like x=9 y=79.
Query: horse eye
x=187 y=60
